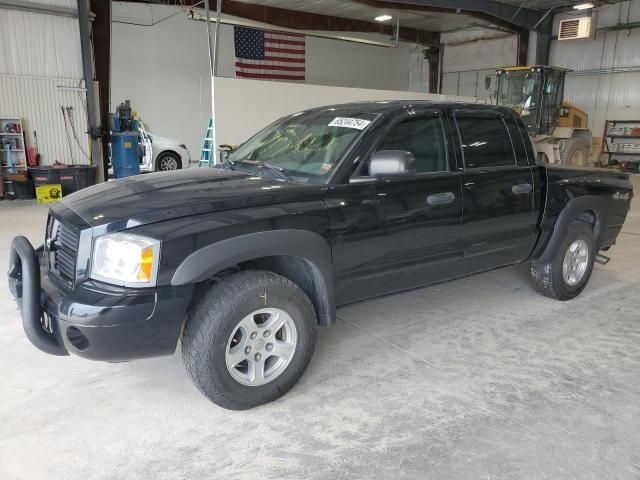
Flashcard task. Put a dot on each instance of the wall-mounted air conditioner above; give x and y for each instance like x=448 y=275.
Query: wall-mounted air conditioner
x=574 y=28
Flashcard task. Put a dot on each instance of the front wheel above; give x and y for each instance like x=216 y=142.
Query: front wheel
x=566 y=274
x=576 y=155
x=249 y=339
x=168 y=161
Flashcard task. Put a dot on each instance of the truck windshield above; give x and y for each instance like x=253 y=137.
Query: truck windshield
x=304 y=147
x=520 y=90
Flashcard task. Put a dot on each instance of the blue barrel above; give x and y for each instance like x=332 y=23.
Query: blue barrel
x=124 y=154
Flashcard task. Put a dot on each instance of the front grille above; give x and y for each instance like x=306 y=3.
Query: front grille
x=62 y=246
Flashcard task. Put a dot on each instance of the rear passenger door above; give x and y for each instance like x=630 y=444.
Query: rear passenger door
x=498 y=190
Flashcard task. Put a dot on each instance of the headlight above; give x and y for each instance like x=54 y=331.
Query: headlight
x=125 y=259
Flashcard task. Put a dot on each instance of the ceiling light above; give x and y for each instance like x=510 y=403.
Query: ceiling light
x=583 y=6
x=383 y=18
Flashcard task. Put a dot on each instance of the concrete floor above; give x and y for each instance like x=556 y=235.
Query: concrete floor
x=478 y=378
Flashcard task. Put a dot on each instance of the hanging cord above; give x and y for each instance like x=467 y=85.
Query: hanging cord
x=66 y=131
x=83 y=101
x=75 y=133
x=69 y=110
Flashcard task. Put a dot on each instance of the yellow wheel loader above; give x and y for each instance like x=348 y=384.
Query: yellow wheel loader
x=558 y=128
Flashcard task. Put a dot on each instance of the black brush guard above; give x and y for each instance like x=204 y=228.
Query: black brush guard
x=24 y=284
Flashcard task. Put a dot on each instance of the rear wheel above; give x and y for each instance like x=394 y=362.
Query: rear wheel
x=249 y=339
x=566 y=274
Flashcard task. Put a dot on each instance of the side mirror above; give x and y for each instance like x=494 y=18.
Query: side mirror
x=487 y=82
x=385 y=163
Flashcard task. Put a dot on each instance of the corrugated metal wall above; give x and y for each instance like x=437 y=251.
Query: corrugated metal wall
x=606 y=68
x=39 y=45
x=40 y=53
x=37 y=101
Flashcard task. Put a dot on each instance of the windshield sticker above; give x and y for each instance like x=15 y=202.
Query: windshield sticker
x=346 y=122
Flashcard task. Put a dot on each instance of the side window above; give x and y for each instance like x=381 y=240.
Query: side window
x=424 y=138
x=485 y=141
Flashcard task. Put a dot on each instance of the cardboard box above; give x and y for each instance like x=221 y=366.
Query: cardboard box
x=48 y=193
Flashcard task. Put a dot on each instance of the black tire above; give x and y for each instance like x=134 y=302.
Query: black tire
x=576 y=148
x=170 y=157
x=548 y=278
x=212 y=321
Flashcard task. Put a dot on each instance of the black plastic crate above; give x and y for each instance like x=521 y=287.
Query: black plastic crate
x=71 y=178
x=23 y=190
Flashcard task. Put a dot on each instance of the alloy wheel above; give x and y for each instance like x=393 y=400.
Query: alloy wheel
x=575 y=263
x=168 y=163
x=261 y=346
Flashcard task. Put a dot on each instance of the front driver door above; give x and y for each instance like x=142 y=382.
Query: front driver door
x=416 y=237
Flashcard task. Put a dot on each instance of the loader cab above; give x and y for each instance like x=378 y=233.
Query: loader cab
x=536 y=93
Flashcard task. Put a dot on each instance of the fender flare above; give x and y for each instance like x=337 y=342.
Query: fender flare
x=302 y=244
x=569 y=213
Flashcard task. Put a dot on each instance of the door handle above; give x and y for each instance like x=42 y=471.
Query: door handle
x=521 y=189
x=444 y=198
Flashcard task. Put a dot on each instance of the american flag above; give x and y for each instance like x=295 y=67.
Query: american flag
x=269 y=55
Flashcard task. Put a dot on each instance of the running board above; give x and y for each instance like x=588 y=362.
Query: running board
x=602 y=259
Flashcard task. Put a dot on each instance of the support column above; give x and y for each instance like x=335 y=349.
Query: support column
x=102 y=59
x=523 y=47
x=543 y=40
x=543 y=48
x=434 y=63
x=87 y=70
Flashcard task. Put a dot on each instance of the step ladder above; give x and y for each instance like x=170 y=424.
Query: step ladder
x=207 y=153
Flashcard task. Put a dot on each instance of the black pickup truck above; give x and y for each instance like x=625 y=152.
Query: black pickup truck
x=332 y=205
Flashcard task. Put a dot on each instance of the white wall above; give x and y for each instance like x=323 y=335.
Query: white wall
x=593 y=85
x=245 y=106
x=472 y=55
x=347 y=64
x=164 y=70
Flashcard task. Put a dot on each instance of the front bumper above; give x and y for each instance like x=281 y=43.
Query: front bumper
x=94 y=320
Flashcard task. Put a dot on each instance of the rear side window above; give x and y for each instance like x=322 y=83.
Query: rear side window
x=424 y=138
x=485 y=141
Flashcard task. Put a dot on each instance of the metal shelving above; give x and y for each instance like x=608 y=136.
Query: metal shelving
x=616 y=131
x=622 y=143
x=13 y=159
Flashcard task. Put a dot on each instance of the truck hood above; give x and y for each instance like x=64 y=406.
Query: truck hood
x=154 y=197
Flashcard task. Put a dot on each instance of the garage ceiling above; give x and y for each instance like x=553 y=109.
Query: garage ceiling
x=547 y=4
x=417 y=17
x=433 y=21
